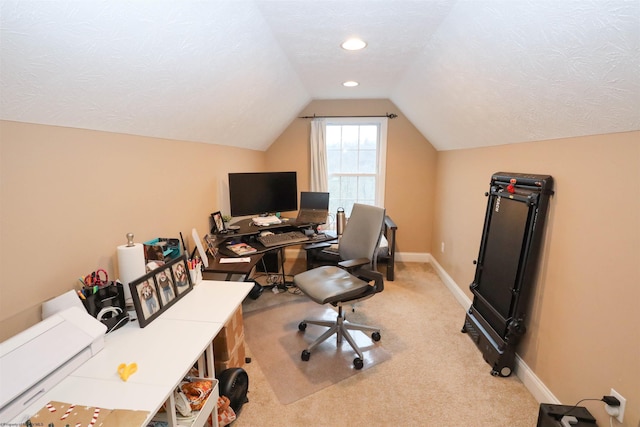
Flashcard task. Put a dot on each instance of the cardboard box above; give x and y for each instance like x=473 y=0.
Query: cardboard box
x=236 y=359
x=229 y=337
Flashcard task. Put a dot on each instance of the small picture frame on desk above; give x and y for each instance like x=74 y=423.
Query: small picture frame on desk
x=164 y=280
x=181 y=276
x=218 y=223
x=145 y=298
x=212 y=247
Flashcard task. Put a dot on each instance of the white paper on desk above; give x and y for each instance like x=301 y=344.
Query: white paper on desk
x=234 y=260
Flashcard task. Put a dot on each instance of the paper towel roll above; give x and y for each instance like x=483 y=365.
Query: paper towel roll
x=130 y=265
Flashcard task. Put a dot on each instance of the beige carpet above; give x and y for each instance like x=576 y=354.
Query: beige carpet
x=435 y=377
x=272 y=334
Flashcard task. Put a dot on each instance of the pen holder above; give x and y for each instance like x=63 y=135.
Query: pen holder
x=196 y=275
x=108 y=306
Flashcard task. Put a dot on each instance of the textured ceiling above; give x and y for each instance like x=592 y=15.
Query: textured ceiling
x=466 y=73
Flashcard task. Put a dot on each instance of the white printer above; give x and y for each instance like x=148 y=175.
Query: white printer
x=37 y=359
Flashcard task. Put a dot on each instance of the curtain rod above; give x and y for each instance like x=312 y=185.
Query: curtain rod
x=388 y=115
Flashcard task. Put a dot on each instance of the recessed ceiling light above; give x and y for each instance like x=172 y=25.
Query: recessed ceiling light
x=350 y=83
x=353 y=44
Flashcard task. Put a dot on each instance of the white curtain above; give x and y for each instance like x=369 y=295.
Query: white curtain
x=319 y=174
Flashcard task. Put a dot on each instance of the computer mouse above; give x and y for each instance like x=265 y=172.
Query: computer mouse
x=265 y=233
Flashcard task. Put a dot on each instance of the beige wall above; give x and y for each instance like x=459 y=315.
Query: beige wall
x=70 y=196
x=583 y=336
x=411 y=165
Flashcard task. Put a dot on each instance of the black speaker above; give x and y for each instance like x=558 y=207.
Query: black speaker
x=234 y=383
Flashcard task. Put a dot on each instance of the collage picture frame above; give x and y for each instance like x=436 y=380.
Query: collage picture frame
x=159 y=289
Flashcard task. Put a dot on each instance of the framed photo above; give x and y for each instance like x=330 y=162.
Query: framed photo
x=201 y=252
x=160 y=288
x=145 y=298
x=166 y=289
x=218 y=223
x=212 y=247
x=181 y=276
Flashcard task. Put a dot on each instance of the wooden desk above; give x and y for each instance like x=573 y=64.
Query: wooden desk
x=241 y=268
x=165 y=350
x=248 y=232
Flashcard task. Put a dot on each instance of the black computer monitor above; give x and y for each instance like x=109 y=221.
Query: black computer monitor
x=257 y=193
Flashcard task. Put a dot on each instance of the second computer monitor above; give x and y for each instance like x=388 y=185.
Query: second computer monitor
x=314 y=208
x=314 y=200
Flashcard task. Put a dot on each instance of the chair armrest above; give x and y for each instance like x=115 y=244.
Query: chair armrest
x=390 y=229
x=374 y=275
x=388 y=223
x=350 y=264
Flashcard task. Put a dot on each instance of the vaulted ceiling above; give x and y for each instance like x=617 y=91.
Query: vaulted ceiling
x=467 y=73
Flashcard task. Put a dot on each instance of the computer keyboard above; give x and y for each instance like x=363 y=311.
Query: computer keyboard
x=279 y=239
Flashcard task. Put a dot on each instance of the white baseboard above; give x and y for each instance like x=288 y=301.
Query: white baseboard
x=532 y=383
x=448 y=281
x=412 y=257
x=536 y=387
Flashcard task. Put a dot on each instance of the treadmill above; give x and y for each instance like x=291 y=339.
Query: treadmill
x=506 y=266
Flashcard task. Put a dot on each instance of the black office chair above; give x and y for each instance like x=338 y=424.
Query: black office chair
x=355 y=278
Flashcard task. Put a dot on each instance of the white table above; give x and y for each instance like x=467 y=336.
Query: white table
x=209 y=303
x=168 y=346
x=165 y=350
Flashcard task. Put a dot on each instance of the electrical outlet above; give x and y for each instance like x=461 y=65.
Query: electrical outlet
x=442 y=247
x=623 y=402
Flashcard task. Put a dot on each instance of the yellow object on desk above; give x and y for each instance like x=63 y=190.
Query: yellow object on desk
x=125 y=371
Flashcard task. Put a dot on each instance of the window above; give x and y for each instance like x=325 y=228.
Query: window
x=356 y=158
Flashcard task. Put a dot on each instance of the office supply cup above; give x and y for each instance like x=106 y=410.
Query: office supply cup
x=108 y=305
x=196 y=274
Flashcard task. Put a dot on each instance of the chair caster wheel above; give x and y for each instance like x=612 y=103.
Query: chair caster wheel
x=375 y=336
x=358 y=363
x=302 y=326
x=305 y=355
